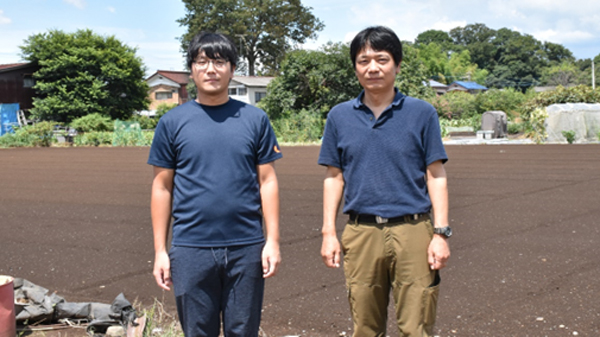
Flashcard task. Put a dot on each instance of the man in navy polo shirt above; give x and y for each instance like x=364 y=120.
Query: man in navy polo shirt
x=214 y=175
x=384 y=153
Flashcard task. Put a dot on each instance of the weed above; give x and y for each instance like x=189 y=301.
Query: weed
x=569 y=135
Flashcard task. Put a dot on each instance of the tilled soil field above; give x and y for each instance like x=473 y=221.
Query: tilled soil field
x=524 y=253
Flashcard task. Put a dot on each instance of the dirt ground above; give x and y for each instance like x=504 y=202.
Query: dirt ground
x=524 y=253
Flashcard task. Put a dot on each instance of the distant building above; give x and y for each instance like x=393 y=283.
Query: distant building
x=249 y=89
x=439 y=88
x=168 y=86
x=470 y=87
x=16 y=84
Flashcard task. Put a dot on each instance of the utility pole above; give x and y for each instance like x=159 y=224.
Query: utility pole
x=593 y=76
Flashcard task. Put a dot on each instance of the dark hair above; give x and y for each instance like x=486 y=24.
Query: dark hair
x=214 y=45
x=379 y=38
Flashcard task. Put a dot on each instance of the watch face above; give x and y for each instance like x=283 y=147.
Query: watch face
x=445 y=231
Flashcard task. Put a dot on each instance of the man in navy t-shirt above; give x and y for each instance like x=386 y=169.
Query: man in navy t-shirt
x=214 y=175
x=384 y=153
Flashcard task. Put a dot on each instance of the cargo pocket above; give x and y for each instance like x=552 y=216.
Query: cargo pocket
x=430 y=298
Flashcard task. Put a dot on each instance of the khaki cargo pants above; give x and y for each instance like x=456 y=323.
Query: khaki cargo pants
x=380 y=257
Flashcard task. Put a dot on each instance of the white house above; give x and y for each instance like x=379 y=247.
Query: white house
x=249 y=89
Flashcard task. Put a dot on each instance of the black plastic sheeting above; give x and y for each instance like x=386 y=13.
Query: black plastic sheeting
x=37 y=305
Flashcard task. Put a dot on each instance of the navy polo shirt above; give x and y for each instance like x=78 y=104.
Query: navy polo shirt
x=384 y=161
x=214 y=151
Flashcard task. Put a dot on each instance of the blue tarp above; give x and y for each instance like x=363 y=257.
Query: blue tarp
x=8 y=117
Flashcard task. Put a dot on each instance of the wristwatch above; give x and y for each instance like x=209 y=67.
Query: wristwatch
x=445 y=231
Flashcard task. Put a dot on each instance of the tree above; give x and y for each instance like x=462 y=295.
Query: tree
x=447 y=68
x=557 y=53
x=565 y=74
x=438 y=37
x=264 y=29
x=312 y=80
x=83 y=73
x=413 y=74
x=478 y=39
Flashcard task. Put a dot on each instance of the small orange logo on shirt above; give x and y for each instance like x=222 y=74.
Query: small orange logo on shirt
x=276 y=149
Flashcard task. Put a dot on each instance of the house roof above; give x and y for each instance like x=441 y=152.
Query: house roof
x=13 y=66
x=181 y=77
x=470 y=85
x=253 y=81
x=435 y=84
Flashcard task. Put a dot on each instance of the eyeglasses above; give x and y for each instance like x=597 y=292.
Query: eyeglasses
x=217 y=63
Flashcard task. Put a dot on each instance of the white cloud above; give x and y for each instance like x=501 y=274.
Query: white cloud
x=3 y=19
x=77 y=3
x=111 y=9
x=350 y=36
x=561 y=37
x=447 y=25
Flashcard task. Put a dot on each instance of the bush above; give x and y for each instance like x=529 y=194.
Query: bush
x=535 y=128
x=301 y=127
x=569 y=135
x=455 y=105
x=578 y=94
x=92 y=122
x=442 y=106
x=163 y=108
x=17 y=139
x=513 y=128
x=39 y=134
x=508 y=100
x=94 y=138
x=146 y=123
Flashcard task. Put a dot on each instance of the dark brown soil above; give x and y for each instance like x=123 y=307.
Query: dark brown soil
x=524 y=255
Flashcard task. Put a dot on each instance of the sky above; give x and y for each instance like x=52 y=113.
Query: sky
x=151 y=26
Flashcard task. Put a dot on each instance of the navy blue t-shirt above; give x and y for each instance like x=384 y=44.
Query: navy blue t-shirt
x=384 y=161
x=214 y=151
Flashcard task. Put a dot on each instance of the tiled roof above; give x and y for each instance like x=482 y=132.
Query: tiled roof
x=253 y=81
x=11 y=65
x=470 y=85
x=180 y=77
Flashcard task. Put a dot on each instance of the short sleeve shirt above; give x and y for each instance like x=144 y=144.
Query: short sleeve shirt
x=384 y=161
x=214 y=152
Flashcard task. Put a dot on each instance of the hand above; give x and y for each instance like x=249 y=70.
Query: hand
x=162 y=270
x=438 y=252
x=330 y=251
x=270 y=258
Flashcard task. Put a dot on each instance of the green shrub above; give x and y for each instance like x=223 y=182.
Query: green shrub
x=578 y=94
x=598 y=135
x=146 y=123
x=94 y=138
x=92 y=122
x=508 y=100
x=442 y=107
x=569 y=136
x=17 y=139
x=455 y=105
x=302 y=127
x=534 y=127
x=163 y=108
x=39 y=134
x=473 y=121
x=513 y=128
x=148 y=137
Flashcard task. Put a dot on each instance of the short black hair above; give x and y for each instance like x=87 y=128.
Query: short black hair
x=379 y=38
x=214 y=45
